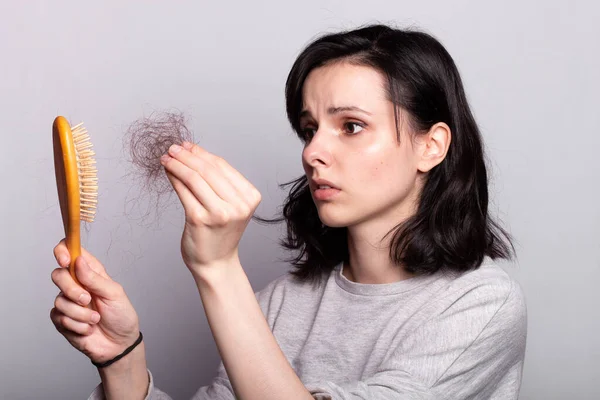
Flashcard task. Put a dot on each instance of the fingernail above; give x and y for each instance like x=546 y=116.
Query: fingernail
x=164 y=158
x=84 y=299
x=63 y=260
x=187 y=145
x=175 y=149
x=95 y=318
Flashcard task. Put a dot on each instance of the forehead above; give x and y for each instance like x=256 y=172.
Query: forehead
x=344 y=84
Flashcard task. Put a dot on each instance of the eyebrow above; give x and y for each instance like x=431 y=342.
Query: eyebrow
x=336 y=110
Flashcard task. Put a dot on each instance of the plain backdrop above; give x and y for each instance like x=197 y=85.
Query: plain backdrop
x=532 y=75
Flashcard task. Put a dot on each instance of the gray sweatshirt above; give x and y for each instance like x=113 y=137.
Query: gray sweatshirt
x=445 y=336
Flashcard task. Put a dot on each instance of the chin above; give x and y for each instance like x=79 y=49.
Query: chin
x=334 y=221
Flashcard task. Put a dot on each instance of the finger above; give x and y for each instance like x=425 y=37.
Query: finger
x=246 y=190
x=96 y=283
x=194 y=182
x=64 y=323
x=67 y=285
x=54 y=314
x=61 y=254
x=75 y=311
x=94 y=263
x=190 y=203
x=210 y=172
x=75 y=339
x=63 y=257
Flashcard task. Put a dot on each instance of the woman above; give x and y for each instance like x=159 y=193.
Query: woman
x=395 y=293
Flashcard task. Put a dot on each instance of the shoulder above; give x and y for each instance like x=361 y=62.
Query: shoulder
x=488 y=293
x=483 y=310
x=491 y=281
x=473 y=329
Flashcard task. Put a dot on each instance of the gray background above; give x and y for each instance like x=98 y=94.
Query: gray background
x=532 y=74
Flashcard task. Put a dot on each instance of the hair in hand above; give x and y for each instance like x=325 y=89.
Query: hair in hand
x=145 y=141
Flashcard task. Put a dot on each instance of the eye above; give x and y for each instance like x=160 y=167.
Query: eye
x=353 y=127
x=307 y=133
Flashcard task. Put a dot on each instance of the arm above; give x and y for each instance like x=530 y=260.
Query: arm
x=219 y=203
x=255 y=364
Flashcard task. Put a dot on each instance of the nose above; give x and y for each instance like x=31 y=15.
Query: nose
x=317 y=153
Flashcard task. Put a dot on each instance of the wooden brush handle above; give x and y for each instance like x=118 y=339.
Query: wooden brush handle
x=67 y=183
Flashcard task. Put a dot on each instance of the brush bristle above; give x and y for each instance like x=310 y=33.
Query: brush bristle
x=88 y=174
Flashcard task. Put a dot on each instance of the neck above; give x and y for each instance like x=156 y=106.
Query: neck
x=369 y=252
x=370 y=255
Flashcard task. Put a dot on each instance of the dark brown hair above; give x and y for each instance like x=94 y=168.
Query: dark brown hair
x=451 y=228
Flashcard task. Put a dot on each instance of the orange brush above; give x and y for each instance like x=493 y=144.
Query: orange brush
x=76 y=181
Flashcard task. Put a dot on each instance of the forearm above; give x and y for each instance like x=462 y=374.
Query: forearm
x=256 y=366
x=126 y=378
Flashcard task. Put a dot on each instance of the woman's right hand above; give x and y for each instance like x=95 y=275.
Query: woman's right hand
x=106 y=330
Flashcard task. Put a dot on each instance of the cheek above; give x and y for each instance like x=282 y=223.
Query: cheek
x=375 y=161
x=370 y=175
x=387 y=175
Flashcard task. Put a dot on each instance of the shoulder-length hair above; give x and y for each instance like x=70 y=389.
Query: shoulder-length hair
x=451 y=228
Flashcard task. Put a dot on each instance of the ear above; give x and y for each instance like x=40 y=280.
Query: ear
x=434 y=146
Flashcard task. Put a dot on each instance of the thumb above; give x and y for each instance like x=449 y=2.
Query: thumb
x=95 y=283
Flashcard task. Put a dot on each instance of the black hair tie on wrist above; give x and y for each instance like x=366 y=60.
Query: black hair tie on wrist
x=123 y=354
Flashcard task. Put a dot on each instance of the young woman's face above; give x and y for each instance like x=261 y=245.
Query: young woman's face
x=352 y=143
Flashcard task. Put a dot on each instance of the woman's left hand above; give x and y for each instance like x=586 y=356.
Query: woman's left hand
x=218 y=203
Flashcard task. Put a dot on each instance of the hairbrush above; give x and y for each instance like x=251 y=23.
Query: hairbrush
x=76 y=182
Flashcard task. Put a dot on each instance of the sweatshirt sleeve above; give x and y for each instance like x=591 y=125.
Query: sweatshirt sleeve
x=153 y=393
x=473 y=348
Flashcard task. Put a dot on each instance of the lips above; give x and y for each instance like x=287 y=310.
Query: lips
x=324 y=190
x=317 y=183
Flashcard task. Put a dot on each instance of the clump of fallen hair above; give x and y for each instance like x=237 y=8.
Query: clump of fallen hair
x=144 y=142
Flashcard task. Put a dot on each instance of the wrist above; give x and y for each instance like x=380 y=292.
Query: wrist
x=121 y=354
x=129 y=361
x=117 y=346
x=210 y=274
x=127 y=378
